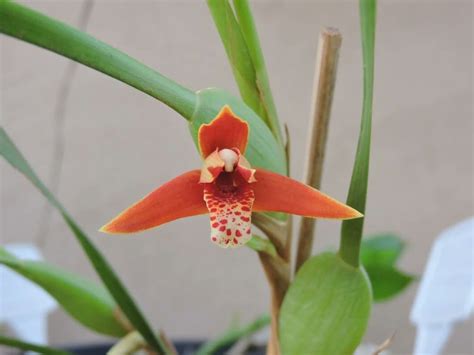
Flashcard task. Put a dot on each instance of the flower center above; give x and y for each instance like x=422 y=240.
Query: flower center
x=230 y=158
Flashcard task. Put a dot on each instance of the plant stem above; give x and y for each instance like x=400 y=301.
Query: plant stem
x=278 y=275
x=128 y=345
x=351 y=231
x=324 y=81
x=31 y=26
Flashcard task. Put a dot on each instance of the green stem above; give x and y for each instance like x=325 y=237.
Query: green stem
x=351 y=232
x=31 y=26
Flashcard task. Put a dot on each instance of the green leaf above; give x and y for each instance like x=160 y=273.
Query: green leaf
x=88 y=303
x=18 y=344
x=326 y=308
x=246 y=59
x=351 y=232
x=33 y=27
x=262 y=245
x=387 y=281
x=233 y=335
x=382 y=249
x=100 y=264
x=263 y=151
x=379 y=255
x=249 y=31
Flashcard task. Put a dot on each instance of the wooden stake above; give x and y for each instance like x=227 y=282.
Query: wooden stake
x=325 y=77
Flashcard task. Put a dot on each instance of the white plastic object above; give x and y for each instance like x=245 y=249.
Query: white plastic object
x=446 y=293
x=24 y=306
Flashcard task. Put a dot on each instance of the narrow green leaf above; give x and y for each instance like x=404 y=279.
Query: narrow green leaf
x=237 y=52
x=387 y=281
x=250 y=34
x=33 y=27
x=262 y=245
x=351 y=232
x=263 y=151
x=41 y=349
x=233 y=335
x=326 y=308
x=249 y=80
x=118 y=291
x=90 y=304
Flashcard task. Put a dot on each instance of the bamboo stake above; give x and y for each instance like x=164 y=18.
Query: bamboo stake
x=325 y=77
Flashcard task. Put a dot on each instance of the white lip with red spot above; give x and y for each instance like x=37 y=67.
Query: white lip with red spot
x=230 y=215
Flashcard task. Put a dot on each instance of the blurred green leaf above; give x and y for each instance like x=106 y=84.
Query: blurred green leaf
x=22 y=345
x=263 y=150
x=33 y=27
x=379 y=255
x=382 y=249
x=351 y=232
x=88 y=303
x=233 y=335
x=100 y=264
x=326 y=308
x=387 y=281
x=242 y=46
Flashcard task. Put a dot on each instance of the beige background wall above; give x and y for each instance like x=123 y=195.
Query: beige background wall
x=120 y=144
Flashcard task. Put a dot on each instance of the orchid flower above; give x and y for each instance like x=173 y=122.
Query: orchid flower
x=227 y=188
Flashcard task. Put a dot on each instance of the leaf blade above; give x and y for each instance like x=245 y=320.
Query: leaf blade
x=379 y=255
x=387 y=282
x=237 y=52
x=351 y=231
x=250 y=34
x=326 y=309
x=384 y=249
x=246 y=59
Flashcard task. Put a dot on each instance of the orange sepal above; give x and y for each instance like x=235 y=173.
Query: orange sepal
x=225 y=131
x=180 y=197
x=278 y=193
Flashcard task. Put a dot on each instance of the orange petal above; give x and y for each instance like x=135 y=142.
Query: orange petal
x=278 y=193
x=180 y=197
x=225 y=131
x=230 y=215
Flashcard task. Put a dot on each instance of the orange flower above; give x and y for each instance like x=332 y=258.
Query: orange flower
x=228 y=189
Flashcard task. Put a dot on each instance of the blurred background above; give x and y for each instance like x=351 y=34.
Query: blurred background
x=109 y=145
